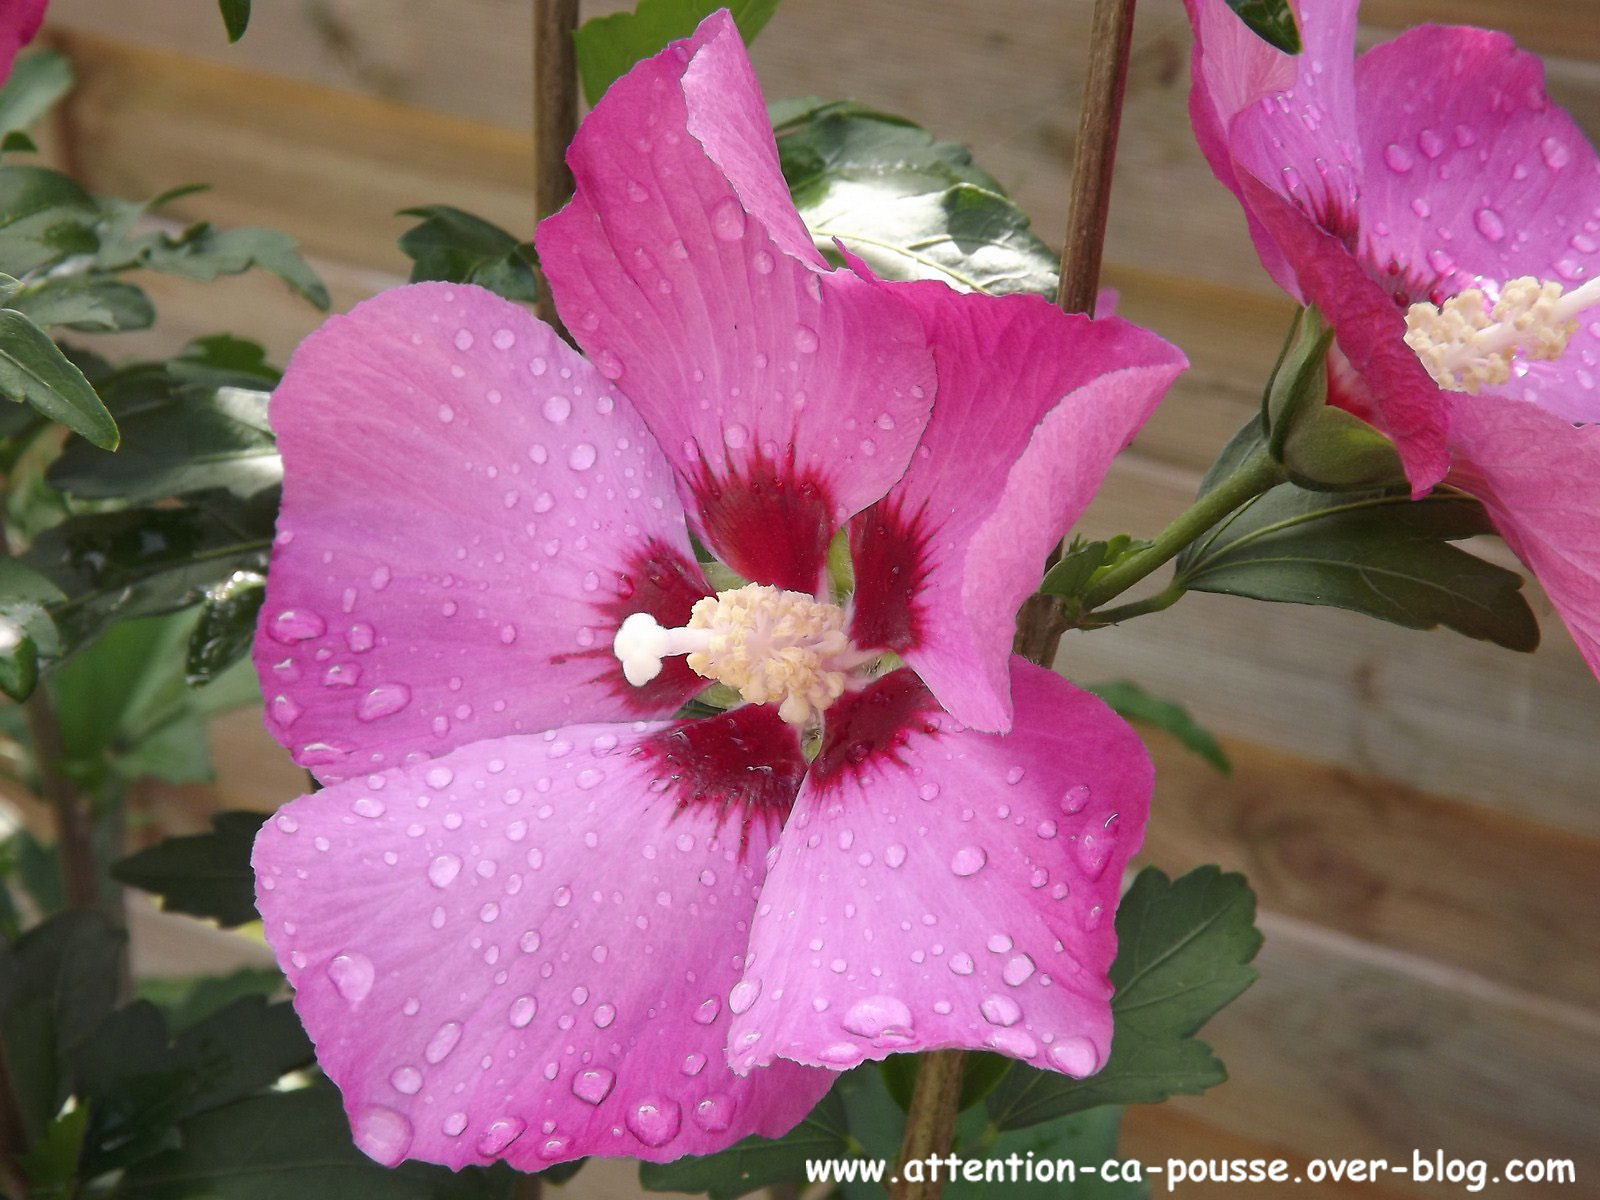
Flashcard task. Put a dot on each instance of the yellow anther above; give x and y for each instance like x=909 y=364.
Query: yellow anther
x=772 y=646
x=1467 y=344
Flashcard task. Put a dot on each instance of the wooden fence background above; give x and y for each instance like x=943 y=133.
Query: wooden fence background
x=1419 y=813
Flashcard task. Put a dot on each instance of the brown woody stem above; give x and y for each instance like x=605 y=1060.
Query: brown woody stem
x=930 y=1123
x=555 y=118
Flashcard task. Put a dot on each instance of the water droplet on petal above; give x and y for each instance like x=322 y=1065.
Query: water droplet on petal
x=962 y=964
x=1398 y=158
x=369 y=806
x=406 y=1080
x=593 y=1084
x=1490 y=224
x=883 y=1018
x=894 y=854
x=443 y=870
x=1015 y=1042
x=655 y=1120
x=968 y=860
x=382 y=701
x=714 y=1113
x=582 y=457
x=382 y=1134
x=463 y=339
x=708 y=1011
x=1074 y=799
x=443 y=1041
x=1076 y=1056
x=728 y=220
x=500 y=1134
x=353 y=975
x=522 y=1010
x=805 y=340
x=743 y=995
x=296 y=625
x=693 y=1064
x=1000 y=1010
x=557 y=408
x=1018 y=970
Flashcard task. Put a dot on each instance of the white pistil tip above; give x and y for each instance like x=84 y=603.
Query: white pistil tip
x=640 y=644
x=1466 y=344
x=772 y=646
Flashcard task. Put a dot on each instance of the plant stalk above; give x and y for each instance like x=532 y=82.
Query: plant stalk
x=1254 y=476
x=13 y=1134
x=1040 y=624
x=930 y=1122
x=74 y=825
x=1110 y=38
x=555 y=120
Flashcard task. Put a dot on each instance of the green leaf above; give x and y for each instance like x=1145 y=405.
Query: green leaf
x=44 y=217
x=458 y=247
x=294 y=1143
x=139 y=1081
x=1381 y=554
x=26 y=628
x=205 y=252
x=1085 y=561
x=57 y=983
x=196 y=438
x=34 y=371
x=608 y=46
x=144 y=561
x=189 y=999
x=1182 y=950
x=51 y=1165
x=226 y=628
x=1270 y=20
x=1131 y=702
x=910 y=207
x=206 y=874
x=235 y=16
x=757 y=1162
x=38 y=79
x=17 y=142
x=91 y=304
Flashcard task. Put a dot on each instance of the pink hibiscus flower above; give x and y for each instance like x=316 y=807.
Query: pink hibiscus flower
x=534 y=915
x=19 y=22
x=1445 y=217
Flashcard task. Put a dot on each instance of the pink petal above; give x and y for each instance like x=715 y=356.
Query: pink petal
x=524 y=950
x=1539 y=477
x=19 y=22
x=1287 y=120
x=469 y=512
x=1473 y=174
x=937 y=887
x=786 y=396
x=1033 y=405
x=1370 y=330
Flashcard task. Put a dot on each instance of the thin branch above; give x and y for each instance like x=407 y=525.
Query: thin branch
x=74 y=825
x=930 y=1122
x=555 y=117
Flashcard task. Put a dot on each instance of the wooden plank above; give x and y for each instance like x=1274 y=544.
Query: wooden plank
x=151 y=117
x=1342 y=1051
x=1503 y=897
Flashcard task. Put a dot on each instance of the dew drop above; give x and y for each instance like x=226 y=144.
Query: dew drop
x=582 y=457
x=522 y=1010
x=1076 y=1056
x=382 y=701
x=1398 y=158
x=968 y=860
x=1490 y=224
x=743 y=995
x=728 y=220
x=1074 y=799
x=883 y=1018
x=1000 y=1010
x=714 y=1113
x=296 y=625
x=593 y=1084
x=368 y=806
x=655 y=1120
x=463 y=339
x=406 y=1080
x=382 y=1134
x=557 y=408
x=443 y=1041
x=352 y=975
x=805 y=340
x=693 y=1064
x=443 y=870
x=1018 y=970
x=500 y=1134
x=284 y=711
x=736 y=436
x=962 y=964
x=708 y=1011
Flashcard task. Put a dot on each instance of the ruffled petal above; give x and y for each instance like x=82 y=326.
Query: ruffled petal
x=469 y=513
x=787 y=396
x=522 y=950
x=1033 y=405
x=1287 y=120
x=19 y=22
x=1539 y=477
x=937 y=887
x=1473 y=175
